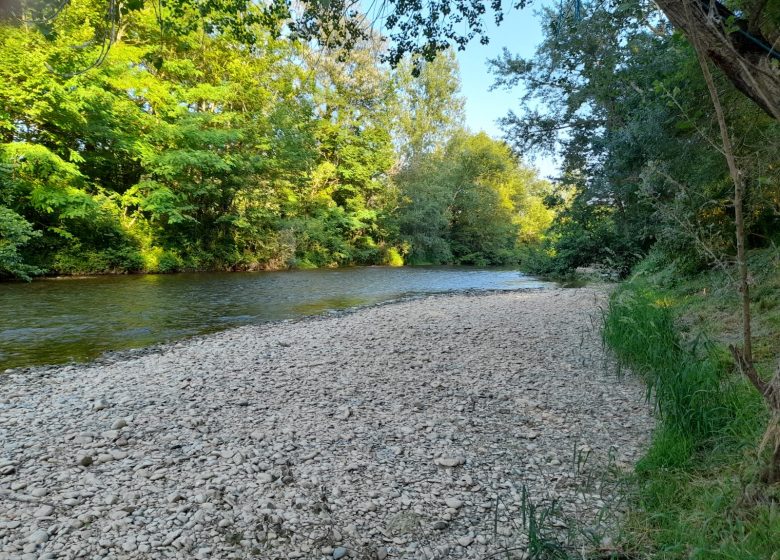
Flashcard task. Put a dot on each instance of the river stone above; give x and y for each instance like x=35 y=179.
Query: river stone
x=84 y=460
x=450 y=461
x=339 y=552
x=44 y=511
x=403 y=523
x=38 y=537
x=118 y=514
x=465 y=541
x=320 y=473
x=453 y=503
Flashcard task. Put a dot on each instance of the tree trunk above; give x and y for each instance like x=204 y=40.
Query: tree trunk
x=742 y=54
x=743 y=357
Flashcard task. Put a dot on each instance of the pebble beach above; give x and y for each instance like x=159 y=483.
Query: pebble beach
x=417 y=429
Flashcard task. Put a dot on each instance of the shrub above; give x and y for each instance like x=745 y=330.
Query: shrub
x=169 y=262
x=15 y=232
x=74 y=260
x=393 y=257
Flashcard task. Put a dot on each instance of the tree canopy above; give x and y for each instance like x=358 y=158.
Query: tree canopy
x=619 y=96
x=741 y=41
x=206 y=148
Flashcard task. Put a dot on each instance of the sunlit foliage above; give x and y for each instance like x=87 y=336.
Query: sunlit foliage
x=201 y=144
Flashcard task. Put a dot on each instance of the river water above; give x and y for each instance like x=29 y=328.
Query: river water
x=75 y=319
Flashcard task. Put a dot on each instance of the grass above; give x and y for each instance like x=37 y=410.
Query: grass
x=546 y=528
x=696 y=494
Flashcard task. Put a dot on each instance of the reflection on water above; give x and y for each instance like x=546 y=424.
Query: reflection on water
x=55 y=321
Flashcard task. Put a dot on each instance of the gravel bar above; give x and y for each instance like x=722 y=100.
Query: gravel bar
x=420 y=429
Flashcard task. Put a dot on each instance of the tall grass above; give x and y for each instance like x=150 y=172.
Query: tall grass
x=695 y=495
x=689 y=386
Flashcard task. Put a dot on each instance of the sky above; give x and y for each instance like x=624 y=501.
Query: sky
x=520 y=32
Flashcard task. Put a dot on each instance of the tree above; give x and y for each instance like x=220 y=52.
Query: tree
x=198 y=149
x=618 y=96
x=431 y=109
x=743 y=46
x=769 y=389
x=469 y=203
x=15 y=231
x=342 y=213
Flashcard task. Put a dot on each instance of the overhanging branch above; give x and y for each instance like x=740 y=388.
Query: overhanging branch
x=746 y=57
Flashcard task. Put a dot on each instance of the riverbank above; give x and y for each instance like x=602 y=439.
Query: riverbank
x=700 y=486
x=51 y=322
x=426 y=428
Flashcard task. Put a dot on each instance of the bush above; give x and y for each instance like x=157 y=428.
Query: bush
x=392 y=257
x=15 y=232
x=540 y=259
x=74 y=260
x=169 y=262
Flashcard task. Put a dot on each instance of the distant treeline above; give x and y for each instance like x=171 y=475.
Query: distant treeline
x=189 y=149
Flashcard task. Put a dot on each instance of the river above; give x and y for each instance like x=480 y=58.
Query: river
x=75 y=319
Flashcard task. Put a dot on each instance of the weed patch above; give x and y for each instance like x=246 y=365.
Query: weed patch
x=695 y=493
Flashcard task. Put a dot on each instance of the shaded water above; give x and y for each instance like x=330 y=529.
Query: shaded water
x=55 y=321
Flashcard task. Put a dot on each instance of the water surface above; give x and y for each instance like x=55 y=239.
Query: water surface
x=60 y=320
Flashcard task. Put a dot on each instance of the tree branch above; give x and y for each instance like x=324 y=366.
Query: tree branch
x=745 y=57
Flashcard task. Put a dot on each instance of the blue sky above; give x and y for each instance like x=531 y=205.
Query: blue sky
x=520 y=32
